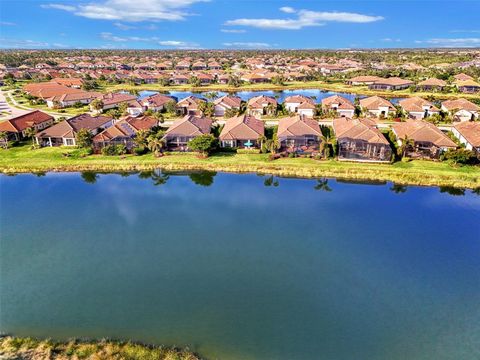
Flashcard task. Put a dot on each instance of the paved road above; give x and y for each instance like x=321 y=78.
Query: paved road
x=5 y=107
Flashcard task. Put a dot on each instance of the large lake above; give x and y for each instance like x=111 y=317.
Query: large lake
x=243 y=266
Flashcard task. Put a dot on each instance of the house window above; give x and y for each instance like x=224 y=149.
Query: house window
x=69 y=142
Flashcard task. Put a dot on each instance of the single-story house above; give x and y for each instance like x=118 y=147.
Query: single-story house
x=179 y=79
x=360 y=140
x=16 y=127
x=70 y=99
x=64 y=133
x=418 y=108
x=225 y=103
x=123 y=132
x=157 y=102
x=461 y=109
x=392 y=83
x=462 y=77
x=362 y=80
x=262 y=105
x=468 y=133
x=113 y=100
x=185 y=129
x=468 y=86
x=432 y=84
x=429 y=142
x=376 y=106
x=299 y=134
x=300 y=104
x=242 y=132
x=338 y=104
x=189 y=106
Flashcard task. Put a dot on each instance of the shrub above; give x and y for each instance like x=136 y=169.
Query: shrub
x=111 y=150
x=204 y=144
x=248 y=151
x=461 y=156
x=139 y=150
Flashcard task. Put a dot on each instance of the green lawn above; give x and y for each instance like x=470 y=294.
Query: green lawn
x=22 y=159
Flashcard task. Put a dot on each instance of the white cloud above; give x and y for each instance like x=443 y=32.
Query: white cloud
x=233 y=31
x=288 y=10
x=465 y=31
x=248 y=45
x=304 y=18
x=131 y=11
x=152 y=39
x=7 y=23
x=447 y=42
x=59 y=7
x=124 y=26
x=390 y=40
x=8 y=43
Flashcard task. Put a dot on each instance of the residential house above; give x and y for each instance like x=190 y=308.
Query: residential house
x=462 y=77
x=339 y=105
x=65 y=132
x=157 y=102
x=432 y=84
x=300 y=104
x=429 y=142
x=114 y=100
x=75 y=83
x=418 y=108
x=360 y=140
x=225 y=103
x=392 y=83
x=189 y=106
x=468 y=86
x=135 y=108
x=123 y=132
x=377 y=106
x=262 y=105
x=199 y=65
x=468 y=133
x=461 y=109
x=363 y=80
x=242 y=132
x=185 y=129
x=70 y=99
x=182 y=66
x=179 y=79
x=17 y=126
x=299 y=134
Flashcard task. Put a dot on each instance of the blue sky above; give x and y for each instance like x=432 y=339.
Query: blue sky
x=220 y=24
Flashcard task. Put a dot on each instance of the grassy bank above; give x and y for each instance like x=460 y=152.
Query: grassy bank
x=291 y=85
x=21 y=159
x=30 y=349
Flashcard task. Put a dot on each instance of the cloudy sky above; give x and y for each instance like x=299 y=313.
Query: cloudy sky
x=238 y=24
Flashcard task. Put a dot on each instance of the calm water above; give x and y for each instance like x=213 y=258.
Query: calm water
x=316 y=94
x=243 y=266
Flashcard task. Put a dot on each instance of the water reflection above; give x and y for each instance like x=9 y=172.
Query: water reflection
x=206 y=179
x=322 y=185
x=398 y=188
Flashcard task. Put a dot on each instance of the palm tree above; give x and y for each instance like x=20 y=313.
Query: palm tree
x=270 y=181
x=155 y=144
x=96 y=104
x=271 y=109
x=30 y=134
x=325 y=142
x=407 y=143
x=274 y=144
x=261 y=140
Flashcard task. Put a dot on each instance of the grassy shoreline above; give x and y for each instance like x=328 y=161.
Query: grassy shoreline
x=424 y=173
x=30 y=349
